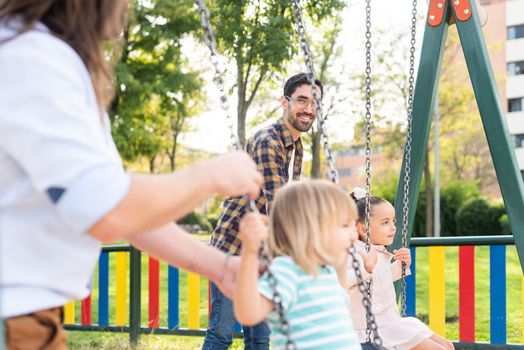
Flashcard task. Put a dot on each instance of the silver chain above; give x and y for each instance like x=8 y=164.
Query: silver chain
x=367 y=206
x=364 y=287
x=407 y=166
x=333 y=172
x=210 y=40
x=368 y=124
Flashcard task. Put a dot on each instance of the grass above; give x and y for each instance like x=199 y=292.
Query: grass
x=101 y=340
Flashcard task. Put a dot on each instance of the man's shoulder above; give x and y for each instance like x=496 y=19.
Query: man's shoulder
x=267 y=135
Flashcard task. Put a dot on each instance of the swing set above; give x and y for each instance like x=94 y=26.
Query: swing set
x=420 y=104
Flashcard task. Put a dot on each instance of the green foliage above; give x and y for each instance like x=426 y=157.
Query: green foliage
x=452 y=197
x=213 y=221
x=504 y=224
x=260 y=37
x=477 y=217
x=195 y=218
x=156 y=87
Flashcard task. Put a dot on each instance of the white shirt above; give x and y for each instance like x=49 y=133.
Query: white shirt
x=60 y=173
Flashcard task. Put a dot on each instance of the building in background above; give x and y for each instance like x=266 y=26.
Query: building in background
x=514 y=23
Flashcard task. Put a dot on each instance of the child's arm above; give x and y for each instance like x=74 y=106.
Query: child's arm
x=402 y=255
x=249 y=305
x=366 y=262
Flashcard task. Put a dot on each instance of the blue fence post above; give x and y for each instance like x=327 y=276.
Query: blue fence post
x=497 y=265
x=172 y=297
x=411 y=302
x=103 y=289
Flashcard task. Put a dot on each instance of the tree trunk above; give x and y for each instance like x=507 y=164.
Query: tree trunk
x=113 y=107
x=429 y=198
x=172 y=155
x=152 y=164
x=242 y=103
x=315 y=151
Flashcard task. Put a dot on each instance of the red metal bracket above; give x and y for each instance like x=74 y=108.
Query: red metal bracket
x=436 y=12
x=462 y=9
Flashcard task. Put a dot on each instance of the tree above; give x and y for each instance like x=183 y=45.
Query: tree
x=259 y=36
x=156 y=88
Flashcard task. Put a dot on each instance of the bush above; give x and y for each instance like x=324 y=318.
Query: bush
x=497 y=211
x=452 y=197
x=195 y=218
x=477 y=217
x=504 y=224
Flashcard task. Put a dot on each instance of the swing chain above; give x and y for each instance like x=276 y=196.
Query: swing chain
x=303 y=43
x=277 y=300
x=407 y=166
x=368 y=124
x=365 y=288
x=211 y=42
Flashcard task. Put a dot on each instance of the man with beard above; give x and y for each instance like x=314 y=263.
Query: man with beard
x=277 y=150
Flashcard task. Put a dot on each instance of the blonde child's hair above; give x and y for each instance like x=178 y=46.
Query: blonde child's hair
x=303 y=216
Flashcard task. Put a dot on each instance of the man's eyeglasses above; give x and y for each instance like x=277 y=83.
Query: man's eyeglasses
x=302 y=102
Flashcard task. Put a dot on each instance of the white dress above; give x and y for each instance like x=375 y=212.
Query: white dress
x=399 y=333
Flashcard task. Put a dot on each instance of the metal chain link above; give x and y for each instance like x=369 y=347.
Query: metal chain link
x=303 y=43
x=368 y=124
x=367 y=206
x=407 y=166
x=364 y=287
x=277 y=300
x=333 y=173
x=210 y=40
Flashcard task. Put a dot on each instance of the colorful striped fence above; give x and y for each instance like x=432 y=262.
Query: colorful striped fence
x=109 y=307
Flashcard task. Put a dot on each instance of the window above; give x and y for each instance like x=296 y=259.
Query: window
x=515 y=104
x=519 y=140
x=516 y=68
x=344 y=172
x=515 y=32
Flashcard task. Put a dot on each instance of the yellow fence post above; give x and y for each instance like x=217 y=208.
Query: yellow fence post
x=193 y=300
x=437 y=296
x=69 y=313
x=121 y=289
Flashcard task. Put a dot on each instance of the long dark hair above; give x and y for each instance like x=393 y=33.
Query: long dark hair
x=83 y=24
x=361 y=205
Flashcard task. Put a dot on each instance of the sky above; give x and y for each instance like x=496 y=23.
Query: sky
x=212 y=132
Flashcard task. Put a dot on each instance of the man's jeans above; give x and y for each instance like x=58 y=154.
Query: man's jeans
x=219 y=335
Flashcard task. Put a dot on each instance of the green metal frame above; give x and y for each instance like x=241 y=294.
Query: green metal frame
x=491 y=112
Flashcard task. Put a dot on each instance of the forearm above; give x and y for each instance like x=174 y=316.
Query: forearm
x=153 y=201
x=174 y=246
x=247 y=301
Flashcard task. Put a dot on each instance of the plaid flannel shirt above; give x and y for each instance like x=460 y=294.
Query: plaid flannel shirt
x=271 y=148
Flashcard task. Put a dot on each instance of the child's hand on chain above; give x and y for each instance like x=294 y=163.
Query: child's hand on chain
x=252 y=232
x=403 y=255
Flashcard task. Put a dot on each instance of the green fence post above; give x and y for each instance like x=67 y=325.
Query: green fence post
x=135 y=295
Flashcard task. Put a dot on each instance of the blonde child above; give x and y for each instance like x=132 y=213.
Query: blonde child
x=399 y=333
x=312 y=224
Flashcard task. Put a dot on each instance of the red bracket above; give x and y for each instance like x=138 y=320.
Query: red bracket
x=462 y=9
x=436 y=11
